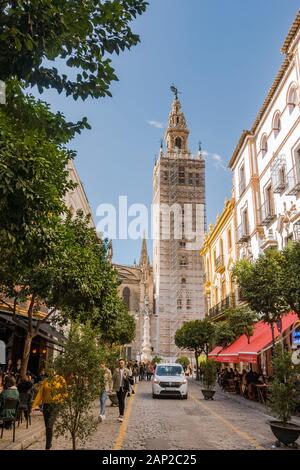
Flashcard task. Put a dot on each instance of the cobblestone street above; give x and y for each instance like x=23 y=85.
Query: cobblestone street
x=170 y=424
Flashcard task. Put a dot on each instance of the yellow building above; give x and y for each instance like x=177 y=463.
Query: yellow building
x=219 y=255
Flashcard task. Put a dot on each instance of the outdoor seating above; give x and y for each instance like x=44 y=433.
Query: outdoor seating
x=24 y=408
x=231 y=385
x=9 y=404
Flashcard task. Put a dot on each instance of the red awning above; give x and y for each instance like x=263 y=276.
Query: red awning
x=231 y=353
x=215 y=352
x=262 y=338
x=242 y=351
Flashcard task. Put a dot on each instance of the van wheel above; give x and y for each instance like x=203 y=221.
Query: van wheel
x=154 y=396
x=184 y=397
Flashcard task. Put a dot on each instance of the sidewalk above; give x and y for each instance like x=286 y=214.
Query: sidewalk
x=24 y=437
x=254 y=405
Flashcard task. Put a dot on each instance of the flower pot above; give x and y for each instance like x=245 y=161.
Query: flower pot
x=208 y=394
x=114 y=399
x=286 y=433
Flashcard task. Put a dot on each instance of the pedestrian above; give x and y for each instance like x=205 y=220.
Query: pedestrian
x=51 y=392
x=121 y=386
x=10 y=392
x=135 y=371
x=106 y=389
x=131 y=379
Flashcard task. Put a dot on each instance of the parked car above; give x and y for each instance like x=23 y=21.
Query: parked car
x=169 y=380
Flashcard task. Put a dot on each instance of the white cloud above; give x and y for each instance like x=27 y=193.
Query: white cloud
x=157 y=124
x=217 y=160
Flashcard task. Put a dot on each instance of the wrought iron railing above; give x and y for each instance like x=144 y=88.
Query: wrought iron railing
x=219 y=308
x=266 y=213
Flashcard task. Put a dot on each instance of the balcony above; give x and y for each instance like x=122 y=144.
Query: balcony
x=268 y=241
x=296 y=231
x=278 y=174
x=266 y=213
x=220 y=264
x=243 y=233
x=218 y=309
x=293 y=181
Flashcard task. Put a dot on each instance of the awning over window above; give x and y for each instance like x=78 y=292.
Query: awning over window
x=262 y=338
x=46 y=331
x=243 y=351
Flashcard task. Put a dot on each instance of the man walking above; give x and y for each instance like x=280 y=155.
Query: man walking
x=106 y=388
x=121 y=386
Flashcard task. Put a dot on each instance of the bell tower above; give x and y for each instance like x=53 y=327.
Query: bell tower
x=177 y=133
x=178 y=186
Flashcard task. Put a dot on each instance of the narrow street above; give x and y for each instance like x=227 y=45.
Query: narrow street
x=171 y=424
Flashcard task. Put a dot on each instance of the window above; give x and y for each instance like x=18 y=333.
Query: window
x=264 y=145
x=178 y=142
x=292 y=98
x=276 y=124
x=269 y=200
x=197 y=179
x=181 y=175
x=229 y=239
x=126 y=297
x=182 y=244
x=188 y=303
x=166 y=176
x=179 y=303
x=242 y=179
x=245 y=222
x=183 y=282
x=191 y=178
x=183 y=261
x=221 y=247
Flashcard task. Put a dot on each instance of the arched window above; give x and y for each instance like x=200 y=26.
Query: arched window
x=183 y=281
x=276 y=123
x=126 y=297
x=178 y=142
x=264 y=145
x=292 y=97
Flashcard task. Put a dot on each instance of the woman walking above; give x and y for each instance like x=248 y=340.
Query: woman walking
x=121 y=386
x=106 y=389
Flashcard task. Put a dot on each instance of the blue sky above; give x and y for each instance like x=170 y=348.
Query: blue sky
x=222 y=55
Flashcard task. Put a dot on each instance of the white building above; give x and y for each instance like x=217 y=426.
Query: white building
x=266 y=162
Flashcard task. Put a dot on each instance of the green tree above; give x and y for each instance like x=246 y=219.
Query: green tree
x=282 y=389
x=81 y=34
x=261 y=285
x=209 y=373
x=73 y=279
x=224 y=334
x=291 y=276
x=197 y=336
x=241 y=320
x=79 y=364
x=184 y=361
x=156 y=360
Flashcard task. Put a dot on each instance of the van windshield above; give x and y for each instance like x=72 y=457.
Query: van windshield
x=169 y=370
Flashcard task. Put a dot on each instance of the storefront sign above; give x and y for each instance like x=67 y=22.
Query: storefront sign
x=296 y=336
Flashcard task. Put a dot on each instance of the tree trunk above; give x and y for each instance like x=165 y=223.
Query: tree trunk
x=273 y=338
x=197 y=367
x=73 y=441
x=26 y=354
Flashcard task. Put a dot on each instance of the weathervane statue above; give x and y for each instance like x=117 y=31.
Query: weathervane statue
x=174 y=90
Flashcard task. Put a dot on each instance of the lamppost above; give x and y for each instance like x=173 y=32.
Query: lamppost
x=146 y=344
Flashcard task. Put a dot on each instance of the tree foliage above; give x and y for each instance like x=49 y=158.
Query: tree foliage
x=79 y=364
x=261 y=285
x=241 y=320
x=184 y=361
x=197 y=336
x=80 y=34
x=291 y=276
x=282 y=389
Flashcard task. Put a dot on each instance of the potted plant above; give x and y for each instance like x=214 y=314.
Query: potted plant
x=209 y=376
x=283 y=398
